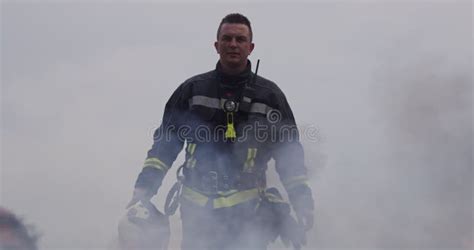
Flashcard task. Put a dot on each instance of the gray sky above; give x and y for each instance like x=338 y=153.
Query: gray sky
x=387 y=84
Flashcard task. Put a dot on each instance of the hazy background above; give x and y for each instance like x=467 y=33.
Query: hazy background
x=387 y=84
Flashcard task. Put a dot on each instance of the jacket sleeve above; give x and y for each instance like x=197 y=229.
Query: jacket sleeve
x=166 y=143
x=289 y=156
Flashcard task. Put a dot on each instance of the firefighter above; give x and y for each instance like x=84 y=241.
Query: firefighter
x=232 y=122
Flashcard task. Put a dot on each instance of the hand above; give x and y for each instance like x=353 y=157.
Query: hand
x=139 y=194
x=303 y=204
x=305 y=218
x=292 y=232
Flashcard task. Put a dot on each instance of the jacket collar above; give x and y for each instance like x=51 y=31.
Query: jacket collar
x=233 y=81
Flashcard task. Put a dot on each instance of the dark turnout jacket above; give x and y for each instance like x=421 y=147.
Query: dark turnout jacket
x=215 y=166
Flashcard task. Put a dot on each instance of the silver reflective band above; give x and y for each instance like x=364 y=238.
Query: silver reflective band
x=260 y=108
x=205 y=101
x=210 y=102
x=217 y=103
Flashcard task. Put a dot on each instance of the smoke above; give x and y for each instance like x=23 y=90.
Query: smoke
x=399 y=169
x=387 y=86
x=428 y=110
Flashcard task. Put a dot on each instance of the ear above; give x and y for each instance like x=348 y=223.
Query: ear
x=216 y=45
x=252 y=46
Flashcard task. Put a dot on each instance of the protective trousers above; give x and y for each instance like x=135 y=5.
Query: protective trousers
x=227 y=228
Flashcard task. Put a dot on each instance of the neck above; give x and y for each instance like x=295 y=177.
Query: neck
x=233 y=70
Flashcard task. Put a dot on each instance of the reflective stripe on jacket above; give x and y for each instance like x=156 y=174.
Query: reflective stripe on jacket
x=196 y=108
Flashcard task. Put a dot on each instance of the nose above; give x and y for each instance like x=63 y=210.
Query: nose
x=233 y=42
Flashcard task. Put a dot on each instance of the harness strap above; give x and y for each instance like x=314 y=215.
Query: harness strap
x=227 y=199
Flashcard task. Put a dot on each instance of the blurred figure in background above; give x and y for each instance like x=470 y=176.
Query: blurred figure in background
x=14 y=235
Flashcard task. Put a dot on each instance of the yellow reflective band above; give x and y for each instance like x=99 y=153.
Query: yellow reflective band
x=295 y=181
x=230 y=132
x=227 y=193
x=249 y=154
x=236 y=198
x=254 y=153
x=194 y=196
x=232 y=199
x=191 y=163
x=156 y=166
x=191 y=147
x=156 y=163
x=250 y=162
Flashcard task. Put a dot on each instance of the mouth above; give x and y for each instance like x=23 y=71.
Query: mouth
x=233 y=54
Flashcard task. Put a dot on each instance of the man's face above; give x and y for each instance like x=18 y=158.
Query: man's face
x=233 y=45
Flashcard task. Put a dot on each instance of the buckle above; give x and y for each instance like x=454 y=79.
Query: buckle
x=213 y=183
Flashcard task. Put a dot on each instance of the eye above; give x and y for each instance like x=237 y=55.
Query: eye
x=226 y=38
x=241 y=39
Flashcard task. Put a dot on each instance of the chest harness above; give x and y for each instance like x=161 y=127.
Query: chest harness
x=230 y=107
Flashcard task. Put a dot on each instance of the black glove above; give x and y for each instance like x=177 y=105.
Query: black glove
x=274 y=215
x=147 y=184
x=302 y=201
x=292 y=232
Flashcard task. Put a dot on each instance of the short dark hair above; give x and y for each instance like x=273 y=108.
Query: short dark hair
x=235 y=18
